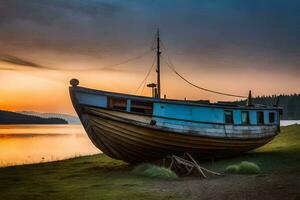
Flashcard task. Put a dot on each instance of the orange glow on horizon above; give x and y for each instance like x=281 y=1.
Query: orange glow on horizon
x=47 y=90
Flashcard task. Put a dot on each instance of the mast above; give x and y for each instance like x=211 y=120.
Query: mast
x=158 y=65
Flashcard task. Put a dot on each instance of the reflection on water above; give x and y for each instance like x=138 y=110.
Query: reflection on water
x=21 y=144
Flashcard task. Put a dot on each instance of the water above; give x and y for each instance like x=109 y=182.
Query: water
x=289 y=122
x=24 y=144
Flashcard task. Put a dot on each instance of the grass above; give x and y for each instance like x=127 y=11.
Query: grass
x=99 y=177
x=151 y=170
x=244 y=167
x=91 y=177
x=232 y=169
x=279 y=156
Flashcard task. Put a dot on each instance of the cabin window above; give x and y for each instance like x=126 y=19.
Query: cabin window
x=245 y=117
x=260 y=118
x=228 y=117
x=142 y=107
x=271 y=117
x=117 y=103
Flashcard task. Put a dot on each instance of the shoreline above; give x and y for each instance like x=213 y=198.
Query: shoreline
x=49 y=161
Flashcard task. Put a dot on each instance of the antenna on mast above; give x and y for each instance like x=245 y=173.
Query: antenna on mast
x=158 y=52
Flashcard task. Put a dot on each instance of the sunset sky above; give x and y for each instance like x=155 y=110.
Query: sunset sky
x=231 y=46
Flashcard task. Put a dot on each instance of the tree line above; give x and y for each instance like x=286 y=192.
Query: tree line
x=7 y=117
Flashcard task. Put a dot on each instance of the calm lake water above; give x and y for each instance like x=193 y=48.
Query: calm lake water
x=289 y=122
x=23 y=144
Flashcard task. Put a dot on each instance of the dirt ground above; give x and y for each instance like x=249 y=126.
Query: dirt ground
x=265 y=187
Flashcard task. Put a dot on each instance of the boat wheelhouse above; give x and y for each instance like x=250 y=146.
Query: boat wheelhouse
x=138 y=129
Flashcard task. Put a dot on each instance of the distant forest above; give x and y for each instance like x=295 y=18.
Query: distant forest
x=7 y=117
x=289 y=103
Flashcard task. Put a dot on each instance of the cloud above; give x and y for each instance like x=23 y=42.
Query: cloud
x=21 y=64
x=19 y=61
x=196 y=31
x=76 y=27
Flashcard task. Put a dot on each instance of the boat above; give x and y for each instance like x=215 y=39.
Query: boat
x=138 y=129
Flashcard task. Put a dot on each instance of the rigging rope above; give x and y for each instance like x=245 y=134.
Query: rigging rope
x=145 y=79
x=135 y=57
x=171 y=66
x=130 y=59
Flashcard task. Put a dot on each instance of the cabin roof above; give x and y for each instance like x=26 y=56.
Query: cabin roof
x=204 y=103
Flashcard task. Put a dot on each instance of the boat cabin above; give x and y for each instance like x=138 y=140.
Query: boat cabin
x=186 y=111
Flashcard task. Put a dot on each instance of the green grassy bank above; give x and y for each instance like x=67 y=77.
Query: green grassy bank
x=91 y=177
x=282 y=155
x=99 y=177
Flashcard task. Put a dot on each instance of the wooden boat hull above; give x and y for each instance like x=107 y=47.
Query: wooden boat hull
x=134 y=141
x=133 y=144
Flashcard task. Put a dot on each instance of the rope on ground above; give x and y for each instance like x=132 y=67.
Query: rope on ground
x=187 y=163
